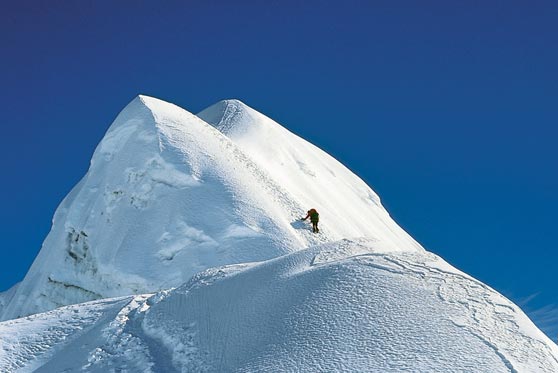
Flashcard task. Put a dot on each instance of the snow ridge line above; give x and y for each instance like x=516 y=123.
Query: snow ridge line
x=480 y=324
x=127 y=345
x=276 y=192
x=38 y=339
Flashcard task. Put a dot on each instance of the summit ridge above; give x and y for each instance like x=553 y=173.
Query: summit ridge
x=182 y=249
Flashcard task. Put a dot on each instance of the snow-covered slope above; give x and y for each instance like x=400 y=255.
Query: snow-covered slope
x=168 y=195
x=347 y=306
x=347 y=206
x=6 y=297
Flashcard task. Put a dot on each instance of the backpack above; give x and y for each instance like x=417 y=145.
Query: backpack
x=314 y=216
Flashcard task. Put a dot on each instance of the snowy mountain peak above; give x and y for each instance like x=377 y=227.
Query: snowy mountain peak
x=309 y=174
x=207 y=208
x=169 y=193
x=231 y=117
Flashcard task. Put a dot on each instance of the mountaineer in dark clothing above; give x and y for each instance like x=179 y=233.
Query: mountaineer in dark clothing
x=314 y=218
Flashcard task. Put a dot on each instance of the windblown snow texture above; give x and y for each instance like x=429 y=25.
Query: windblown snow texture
x=184 y=240
x=168 y=195
x=344 y=306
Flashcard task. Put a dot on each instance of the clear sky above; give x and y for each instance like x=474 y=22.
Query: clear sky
x=447 y=109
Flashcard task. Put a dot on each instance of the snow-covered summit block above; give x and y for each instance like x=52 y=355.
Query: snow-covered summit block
x=348 y=207
x=168 y=195
x=231 y=117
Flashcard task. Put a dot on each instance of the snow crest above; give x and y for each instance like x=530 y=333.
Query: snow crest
x=169 y=194
x=204 y=211
x=348 y=306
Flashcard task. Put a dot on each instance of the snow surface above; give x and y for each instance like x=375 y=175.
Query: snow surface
x=182 y=250
x=6 y=296
x=347 y=206
x=168 y=195
x=344 y=306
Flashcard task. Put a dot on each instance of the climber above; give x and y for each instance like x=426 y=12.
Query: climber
x=314 y=218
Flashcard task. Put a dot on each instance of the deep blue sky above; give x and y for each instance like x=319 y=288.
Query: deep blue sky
x=448 y=109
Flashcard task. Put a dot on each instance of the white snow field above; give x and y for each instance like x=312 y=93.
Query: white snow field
x=349 y=305
x=168 y=195
x=182 y=250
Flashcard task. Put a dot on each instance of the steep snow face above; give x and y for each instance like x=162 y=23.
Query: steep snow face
x=347 y=206
x=353 y=306
x=168 y=195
